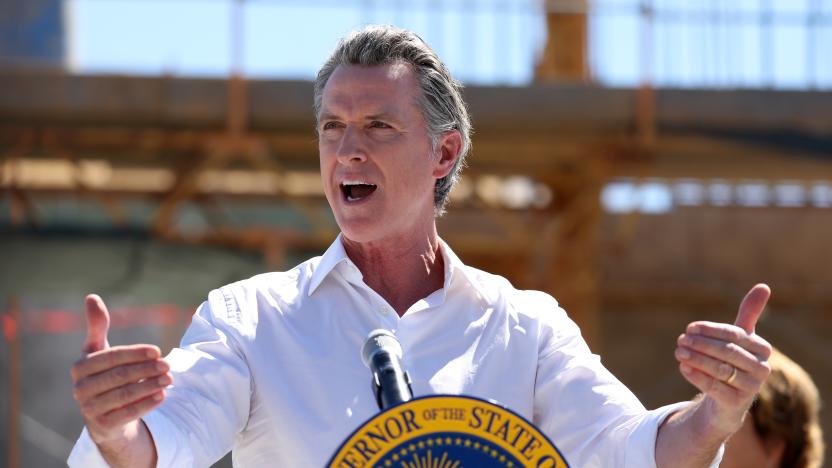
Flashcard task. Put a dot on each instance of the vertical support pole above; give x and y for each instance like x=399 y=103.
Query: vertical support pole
x=767 y=42
x=565 y=54
x=171 y=328
x=813 y=29
x=274 y=251
x=646 y=96
x=567 y=260
x=237 y=95
x=11 y=328
x=576 y=262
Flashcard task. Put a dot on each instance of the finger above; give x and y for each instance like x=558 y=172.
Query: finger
x=125 y=395
x=717 y=370
x=754 y=344
x=98 y=323
x=746 y=353
x=752 y=307
x=104 y=360
x=102 y=382
x=130 y=412
x=708 y=385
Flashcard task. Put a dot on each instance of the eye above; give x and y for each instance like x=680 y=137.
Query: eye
x=379 y=124
x=329 y=125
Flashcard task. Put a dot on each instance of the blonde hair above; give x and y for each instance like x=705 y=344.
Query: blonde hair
x=788 y=408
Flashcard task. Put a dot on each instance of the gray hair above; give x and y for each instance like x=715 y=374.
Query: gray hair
x=441 y=98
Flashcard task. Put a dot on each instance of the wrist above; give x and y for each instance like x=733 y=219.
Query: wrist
x=115 y=440
x=716 y=424
x=131 y=446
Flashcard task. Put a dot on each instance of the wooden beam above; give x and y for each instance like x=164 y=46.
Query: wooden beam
x=40 y=98
x=565 y=54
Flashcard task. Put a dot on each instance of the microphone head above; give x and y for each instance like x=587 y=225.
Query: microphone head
x=380 y=340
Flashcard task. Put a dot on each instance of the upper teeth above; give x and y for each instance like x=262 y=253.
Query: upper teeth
x=355 y=182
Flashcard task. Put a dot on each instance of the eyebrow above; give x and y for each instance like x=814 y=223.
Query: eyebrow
x=377 y=116
x=382 y=116
x=327 y=116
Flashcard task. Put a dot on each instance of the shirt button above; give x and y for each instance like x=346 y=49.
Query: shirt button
x=383 y=310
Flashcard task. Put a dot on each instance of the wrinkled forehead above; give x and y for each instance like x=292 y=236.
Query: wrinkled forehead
x=389 y=88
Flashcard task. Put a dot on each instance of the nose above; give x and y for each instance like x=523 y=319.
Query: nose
x=350 y=148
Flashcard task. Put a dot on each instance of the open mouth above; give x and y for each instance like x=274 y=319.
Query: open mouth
x=356 y=190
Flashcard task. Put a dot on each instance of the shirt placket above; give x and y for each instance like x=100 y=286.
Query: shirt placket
x=387 y=317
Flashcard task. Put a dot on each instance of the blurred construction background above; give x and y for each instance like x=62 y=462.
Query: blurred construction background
x=644 y=161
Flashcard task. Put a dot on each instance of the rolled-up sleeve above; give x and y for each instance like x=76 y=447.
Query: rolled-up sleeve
x=593 y=418
x=85 y=454
x=208 y=403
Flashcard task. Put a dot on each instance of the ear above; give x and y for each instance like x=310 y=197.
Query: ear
x=448 y=148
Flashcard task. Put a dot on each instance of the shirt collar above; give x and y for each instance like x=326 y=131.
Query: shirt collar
x=455 y=268
x=336 y=254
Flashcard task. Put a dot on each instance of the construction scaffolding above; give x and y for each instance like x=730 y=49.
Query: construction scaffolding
x=743 y=177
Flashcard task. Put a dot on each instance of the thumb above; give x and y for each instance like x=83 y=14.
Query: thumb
x=752 y=307
x=98 y=323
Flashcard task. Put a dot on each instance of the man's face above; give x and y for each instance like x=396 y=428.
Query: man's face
x=377 y=164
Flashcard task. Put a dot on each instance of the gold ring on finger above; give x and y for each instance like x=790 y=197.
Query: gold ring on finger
x=731 y=377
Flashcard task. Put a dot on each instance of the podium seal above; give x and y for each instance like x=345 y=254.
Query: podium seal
x=443 y=431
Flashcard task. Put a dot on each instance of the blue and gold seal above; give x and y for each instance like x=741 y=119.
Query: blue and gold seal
x=447 y=432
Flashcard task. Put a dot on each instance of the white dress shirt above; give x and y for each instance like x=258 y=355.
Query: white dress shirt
x=270 y=367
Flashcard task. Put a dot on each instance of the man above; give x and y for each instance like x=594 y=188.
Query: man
x=270 y=366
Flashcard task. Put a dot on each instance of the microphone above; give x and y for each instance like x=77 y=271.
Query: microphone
x=382 y=354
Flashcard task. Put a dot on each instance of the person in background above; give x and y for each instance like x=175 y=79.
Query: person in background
x=782 y=429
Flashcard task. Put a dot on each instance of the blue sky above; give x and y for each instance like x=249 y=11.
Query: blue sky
x=287 y=38
x=696 y=42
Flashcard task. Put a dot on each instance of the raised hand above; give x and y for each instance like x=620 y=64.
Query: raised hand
x=115 y=386
x=728 y=363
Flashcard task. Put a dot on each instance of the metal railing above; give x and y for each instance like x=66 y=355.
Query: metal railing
x=678 y=43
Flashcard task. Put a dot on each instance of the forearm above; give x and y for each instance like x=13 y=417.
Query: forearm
x=688 y=439
x=134 y=450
